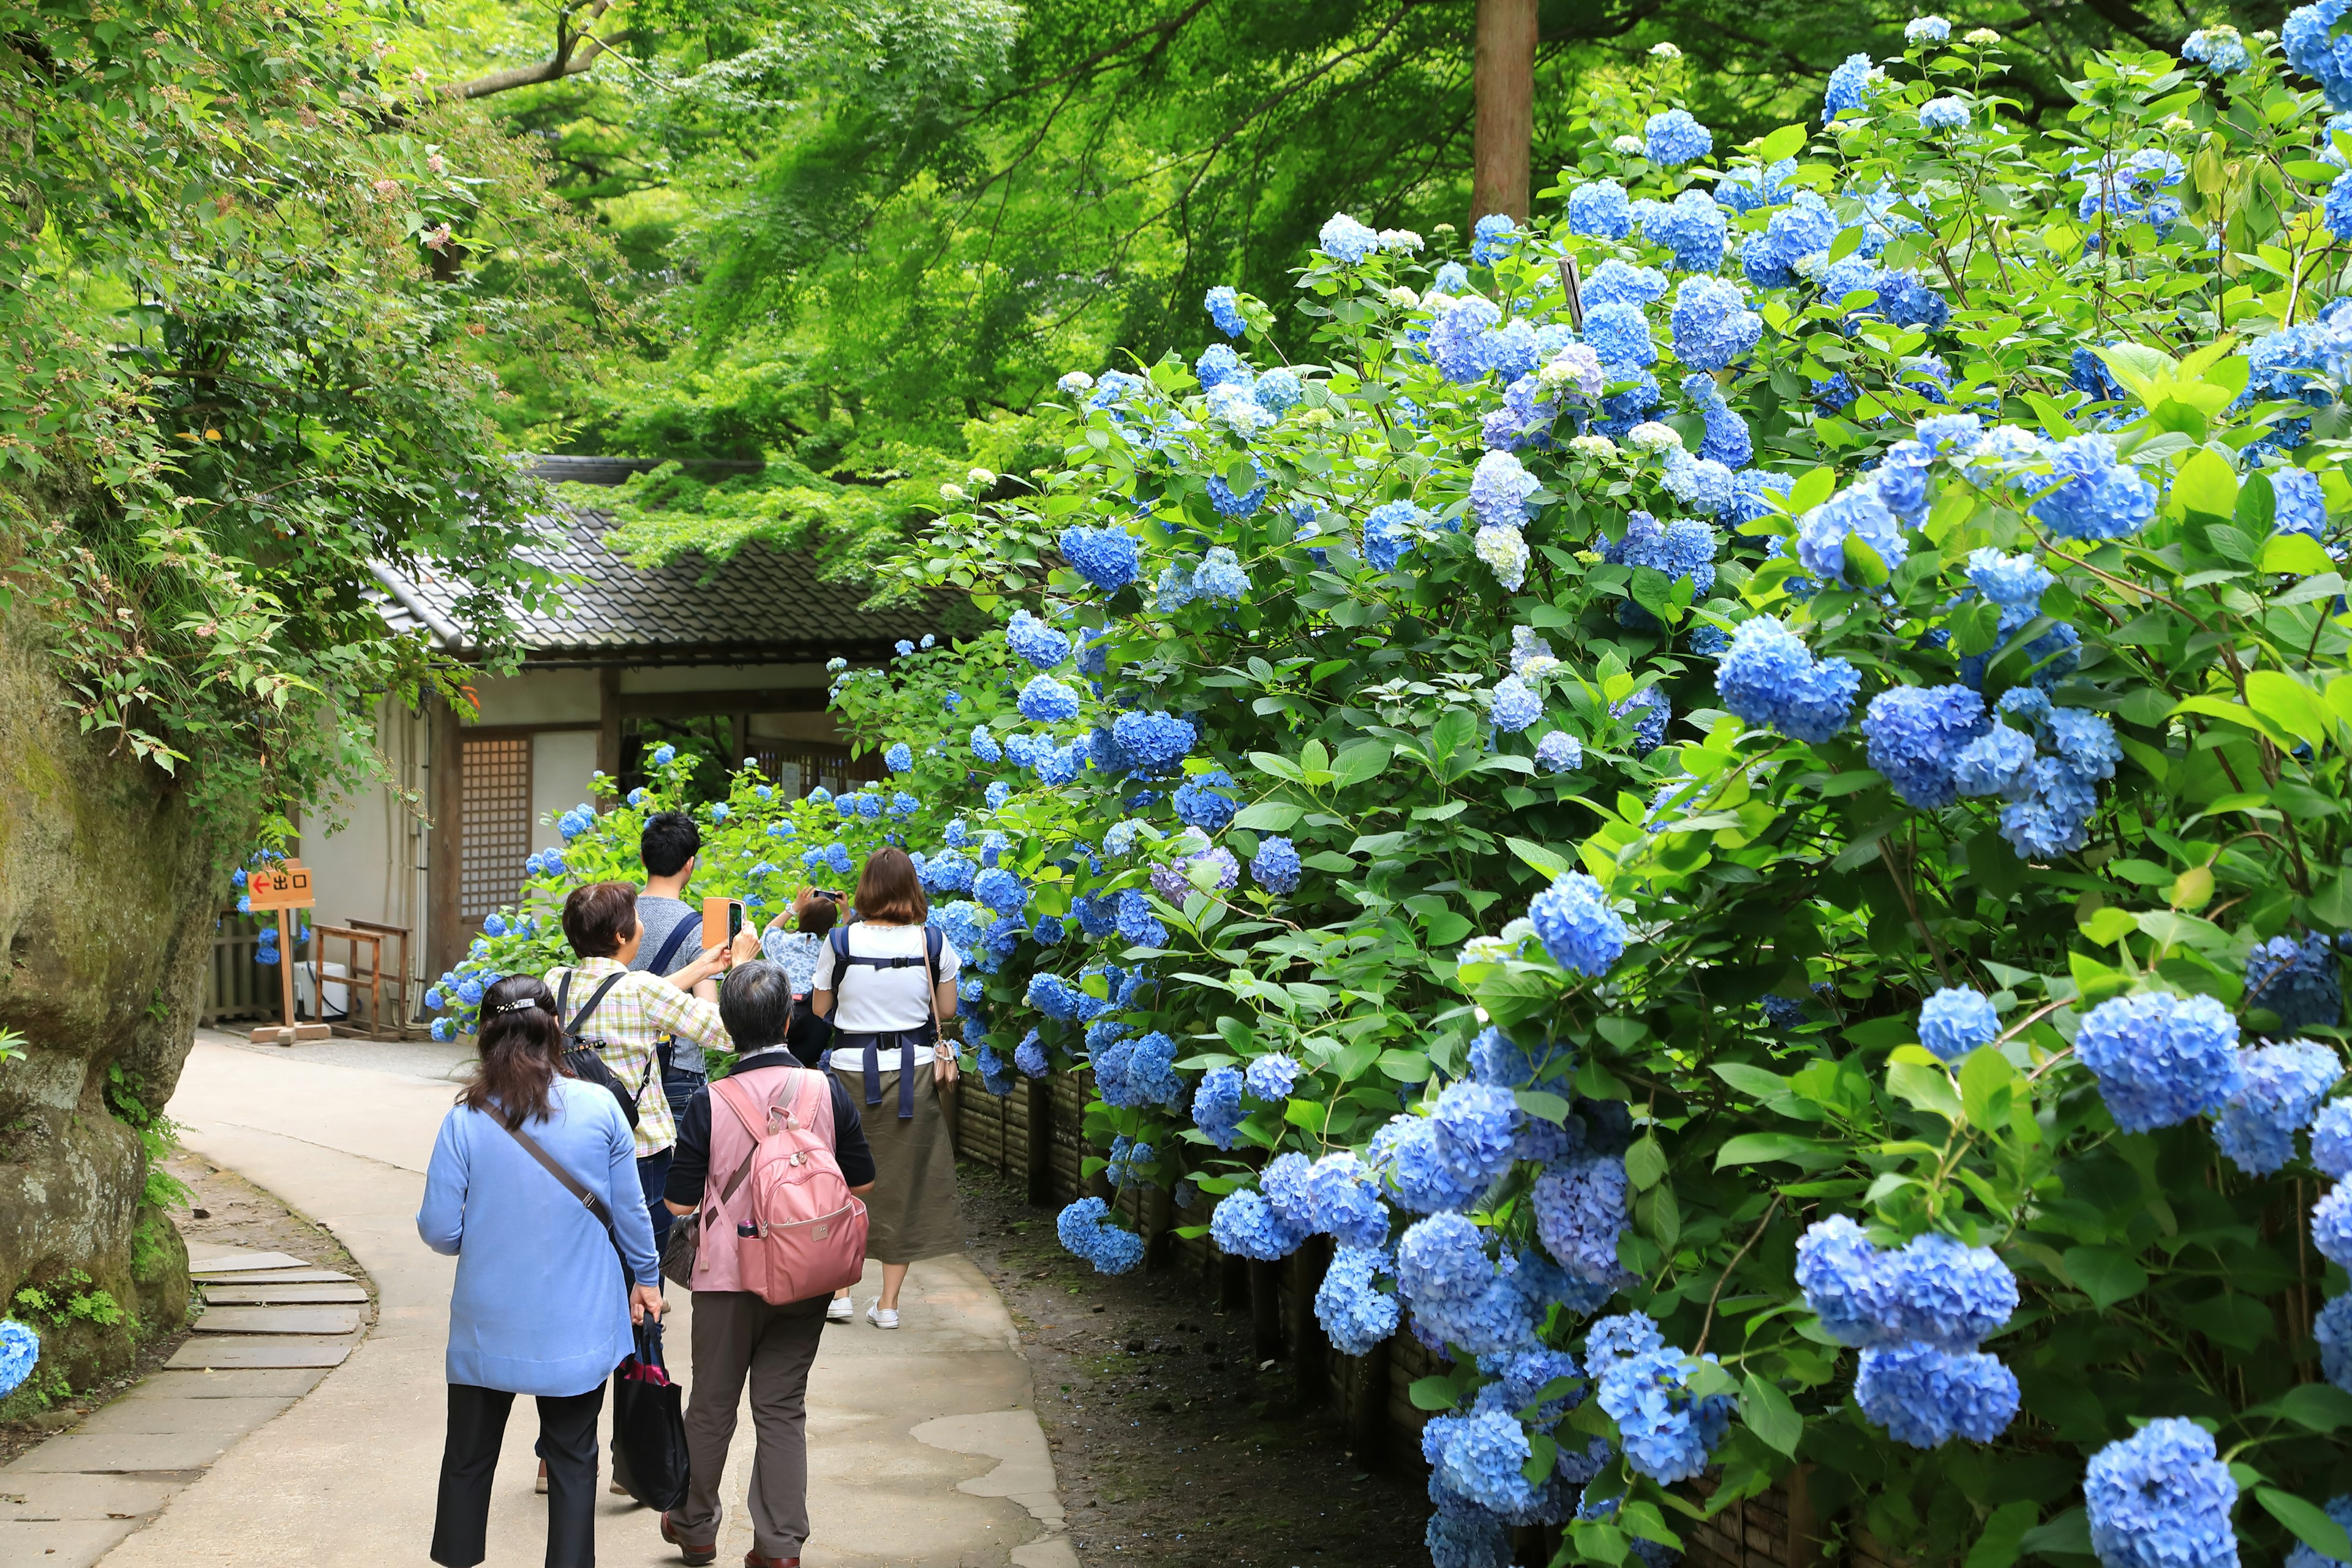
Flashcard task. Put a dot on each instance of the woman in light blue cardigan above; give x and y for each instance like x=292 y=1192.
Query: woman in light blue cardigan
x=541 y=1307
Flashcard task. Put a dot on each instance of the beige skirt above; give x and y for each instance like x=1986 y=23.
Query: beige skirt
x=913 y=1212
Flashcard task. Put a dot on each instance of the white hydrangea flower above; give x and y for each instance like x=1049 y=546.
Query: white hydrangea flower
x=1983 y=37
x=1505 y=552
x=1488 y=949
x=1652 y=436
x=1401 y=295
x=1592 y=445
x=1664 y=52
x=1076 y=382
x=980 y=479
x=1633 y=145
x=1403 y=239
x=1575 y=365
x=953 y=494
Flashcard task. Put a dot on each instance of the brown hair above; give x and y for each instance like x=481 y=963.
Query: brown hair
x=521 y=1047
x=598 y=918
x=889 y=891
x=814 y=912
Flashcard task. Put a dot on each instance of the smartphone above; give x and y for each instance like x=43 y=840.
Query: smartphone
x=721 y=920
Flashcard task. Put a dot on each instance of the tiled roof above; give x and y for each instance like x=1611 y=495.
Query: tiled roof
x=763 y=606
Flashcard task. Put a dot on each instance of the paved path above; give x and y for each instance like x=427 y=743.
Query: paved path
x=924 y=1445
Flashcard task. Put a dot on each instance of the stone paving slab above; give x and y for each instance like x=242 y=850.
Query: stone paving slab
x=274 y=1277
x=164 y=1412
x=227 y=1383
x=242 y=1262
x=285 y=1296
x=29 y=1541
x=28 y=1493
x=279 y=1320
x=132 y=1453
x=240 y=1351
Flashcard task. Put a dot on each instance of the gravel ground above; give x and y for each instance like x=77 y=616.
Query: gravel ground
x=1172 y=1448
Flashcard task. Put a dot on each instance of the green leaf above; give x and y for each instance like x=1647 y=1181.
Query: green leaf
x=1405 y=1066
x=1785 y=143
x=1927 y=1087
x=1433 y=1393
x=2105 y=1274
x=2206 y=482
x=1543 y=1104
x=1645 y=1162
x=2068 y=1535
x=2289 y=703
x=1998 y=1543
x=2108 y=925
x=1988 y=1088
x=1770 y=1415
x=1269 y=815
x=1450 y=734
x=1548 y=862
x=1361 y=763
x=1752 y=1081
x=1763 y=1148
x=2298 y=553
x=2321 y=1406
x=2310 y=1523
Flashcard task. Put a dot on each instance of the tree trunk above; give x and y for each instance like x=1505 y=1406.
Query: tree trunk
x=1504 y=83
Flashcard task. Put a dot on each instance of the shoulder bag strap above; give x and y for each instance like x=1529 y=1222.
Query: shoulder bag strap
x=588 y=1200
x=660 y=965
x=606 y=984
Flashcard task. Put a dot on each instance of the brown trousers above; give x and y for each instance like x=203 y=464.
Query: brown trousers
x=735 y=1334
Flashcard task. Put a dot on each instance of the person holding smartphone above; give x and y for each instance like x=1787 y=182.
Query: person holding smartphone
x=666 y=848
x=791 y=942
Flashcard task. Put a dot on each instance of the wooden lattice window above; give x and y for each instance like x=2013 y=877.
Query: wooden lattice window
x=494 y=824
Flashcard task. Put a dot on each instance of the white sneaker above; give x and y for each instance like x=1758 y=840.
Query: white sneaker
x=839 y=1309
x=880 y=1316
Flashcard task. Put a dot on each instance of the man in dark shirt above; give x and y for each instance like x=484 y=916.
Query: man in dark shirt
x=737 y=1334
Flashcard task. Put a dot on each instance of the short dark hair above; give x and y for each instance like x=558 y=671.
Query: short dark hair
x=890 y=889
x=755 y=1002
x=814 y=912
x=598 y=917
x=669 y=841
x=520 y=1048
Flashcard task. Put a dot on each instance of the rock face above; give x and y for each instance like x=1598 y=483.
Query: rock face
x=109 y=890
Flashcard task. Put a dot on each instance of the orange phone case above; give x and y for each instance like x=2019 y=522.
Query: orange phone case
x=714 y=923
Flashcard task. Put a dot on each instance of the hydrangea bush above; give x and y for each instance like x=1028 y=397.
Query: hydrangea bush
x=1737 y=794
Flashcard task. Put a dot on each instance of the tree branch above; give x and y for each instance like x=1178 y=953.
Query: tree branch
x=576 y=50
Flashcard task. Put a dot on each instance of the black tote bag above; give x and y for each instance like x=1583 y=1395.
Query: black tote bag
x=649 y=1426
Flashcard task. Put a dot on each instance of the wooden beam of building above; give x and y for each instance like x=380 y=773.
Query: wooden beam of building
x=702 y=704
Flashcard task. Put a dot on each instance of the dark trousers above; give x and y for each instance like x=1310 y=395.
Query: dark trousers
x=653 y=1175
x=567 y=1438
x=678 y=1087
x=737 y=1335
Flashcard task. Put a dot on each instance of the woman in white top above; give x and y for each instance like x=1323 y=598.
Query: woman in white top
x=886 y=982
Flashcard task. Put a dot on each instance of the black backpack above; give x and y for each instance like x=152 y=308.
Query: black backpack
x=579 y=1058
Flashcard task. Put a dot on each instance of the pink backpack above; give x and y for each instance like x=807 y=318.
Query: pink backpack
x=798 y=1231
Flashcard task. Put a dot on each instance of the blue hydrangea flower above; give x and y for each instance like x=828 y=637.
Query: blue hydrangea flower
x=1768 y=676
x=900 y=758
x=1389 y=531
x=1269 y=1077
x=1045 y=701
x=1200 y=802
x=1615 y=282
x=1794 y=232
x=2332 y=1329
x=1927 y=29
x=1914 y=734
x=1667 y=1432
x=2096 y=497
x=1355 y=1312
x=2012 y=581
x=2282 y=1087
x=1599 y=208
x=1029 y=1056
x=1220 y=578
x=1136 y=921
x=1560 y=752
x=1107 y=557
x=1845 y=1281
x=1849 y=85
x=1576 y=924
x=1956 y=1021
x=1673 y=139
x=2331 y=1225
x=1220 y=366
x=1474 y=1127
x=1650 y=711
x=1224 y=309
x=1493 y=237
x=1620 y=334
x=2160 y=1059
x=2159 y=1498
x=1245 y=1225
x=1942 y=1293
x=20 y=1349
x=1513 y=706
x=1922 y=1395
x=1752 y=189
x=1085 y=1229
x=1276 y=866
x=1859 y=511
x=1499 y=488
x=985 y=746
x=1343 y=239
x=1457 y=340
x=1713 y=326
x=1480 y=1457
x=1217 y=1106
x=2302 y=981
x=997 y=794
x=1404 y=1153
x=1946 y=113
x=1036 y=641
x=1347 y=1201
x=664 y=755
x=1278 y=391
x=2298 y=506
x=1581 y=1206
x=1152 y=739
x=1692 y=225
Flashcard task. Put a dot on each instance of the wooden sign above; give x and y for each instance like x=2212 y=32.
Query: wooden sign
x=285 y=885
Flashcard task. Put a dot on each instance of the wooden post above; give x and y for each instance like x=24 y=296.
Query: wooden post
x=1310 y=1348
x=1804 y=1549
x=1368 y=1419
x=444 y=936
x=1265 y=1310
x=608 y=724
x=1233 y=1281
x=1039 y=1151
x=285 y=975
x=1503 y=77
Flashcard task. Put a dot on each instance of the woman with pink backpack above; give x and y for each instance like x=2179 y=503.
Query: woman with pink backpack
x=771 y=1165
